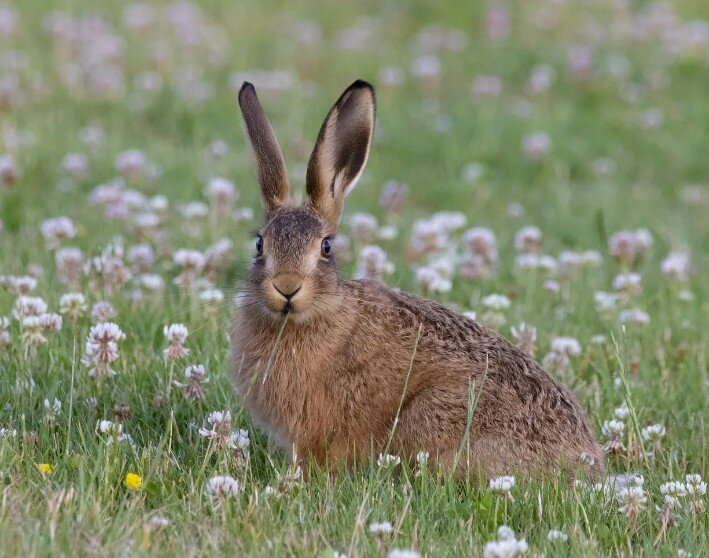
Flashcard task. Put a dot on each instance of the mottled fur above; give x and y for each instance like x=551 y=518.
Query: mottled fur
x=347 y=369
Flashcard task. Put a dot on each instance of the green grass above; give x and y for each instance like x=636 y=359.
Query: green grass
x=83 y=507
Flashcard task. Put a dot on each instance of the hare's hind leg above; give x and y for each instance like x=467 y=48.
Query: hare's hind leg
x=435 y=422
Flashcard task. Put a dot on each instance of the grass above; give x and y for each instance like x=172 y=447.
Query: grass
x=428 y=131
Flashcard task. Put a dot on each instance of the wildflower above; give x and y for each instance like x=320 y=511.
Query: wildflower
x=221 y=488
x=536 y=145
x=373 y=263
x=525 y=336
x=28 y=306
x=567 y=345
x=50 y=322
x=141 y=257
x=634 y=316
x=628 y=283
x=45 y=468
x=131 y=164
x=403 y=553
x=382 y=528
x=363 y=227
x=291 y=479
x=222 y=193
x=102 y=312
x=672 y=493
x=676 y=267
x=133 y=481
x=496 y=302
x=387 y=461
x=211 y=299
x=696 y=489
x=57 y=229
x=653 y=434
x=157 y=523
x=632 y=501
x=613 y=430
x=430 y=279
x=194 y=379
x=32 y=331
x=52 y=410
x=73 y=305
x=422 y=459
x=76 y=165
x=502 y=486
x=113 y=432
x=68 y=262
x=102 y=349
x=528 y=240
x=507 y=545
x=481 y=241
x=628 y=246
x=556 y=535
x=605 y=303
x=393 y=196
x=622 y=412
x=191 y=262
x=176 y=335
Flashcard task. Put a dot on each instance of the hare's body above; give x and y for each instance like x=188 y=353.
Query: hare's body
x=342 y=405
x=336 y=371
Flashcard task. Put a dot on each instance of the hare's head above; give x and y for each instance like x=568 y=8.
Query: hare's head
x=293 y=270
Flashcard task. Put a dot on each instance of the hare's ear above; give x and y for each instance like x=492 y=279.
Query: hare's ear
x=270 y=167
x=341 y=151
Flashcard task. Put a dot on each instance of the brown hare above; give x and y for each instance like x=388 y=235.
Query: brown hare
x=336 y=371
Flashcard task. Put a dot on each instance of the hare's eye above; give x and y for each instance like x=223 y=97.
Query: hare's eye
x=326 y=247
x=259 y=245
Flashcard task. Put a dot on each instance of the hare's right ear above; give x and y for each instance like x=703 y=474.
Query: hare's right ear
x=270 y=166
x=341 y=151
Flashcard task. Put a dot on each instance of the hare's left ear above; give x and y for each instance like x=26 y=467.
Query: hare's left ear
x=341 y=151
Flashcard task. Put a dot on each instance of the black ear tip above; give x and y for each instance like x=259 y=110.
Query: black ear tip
x=246 y=86
x=361 y=84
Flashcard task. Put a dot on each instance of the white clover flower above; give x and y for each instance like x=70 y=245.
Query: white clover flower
x=57 y=229
x=502 y=485
x=363 y=226
x=221 y=190
x=634 y=316
x=403 y=553
x=373 y=263
x=158 y=522
x=387 y=460
x=28 y=306
x=381 y=528
x=507 y=545
x=50 y=322
x=632 y=501
x=176 y=334
x=566 y=345
x=422 y=459
x=556 y=535
x=676 y=266
x=496 y=302
x=631 y=283
x=73 y=305
x=611 y=427
x=223 y=487
x=605 y=302
x=102 y=349
x=653 y=433
x=622 y=412
x=536 y=145
x=528 y=240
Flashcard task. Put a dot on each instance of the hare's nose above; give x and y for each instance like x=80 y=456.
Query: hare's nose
x=287 y=285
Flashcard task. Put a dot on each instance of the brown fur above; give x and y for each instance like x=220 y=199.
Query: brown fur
x=346 y=369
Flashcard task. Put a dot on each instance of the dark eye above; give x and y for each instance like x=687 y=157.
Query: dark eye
x=259 y=245
x=326 y=246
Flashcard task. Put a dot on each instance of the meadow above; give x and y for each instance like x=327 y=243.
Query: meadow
x=541 y=165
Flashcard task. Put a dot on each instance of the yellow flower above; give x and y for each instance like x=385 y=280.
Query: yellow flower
x=133 y=481
x=44 y=468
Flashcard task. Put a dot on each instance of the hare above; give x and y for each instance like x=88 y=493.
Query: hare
x=338 y=371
